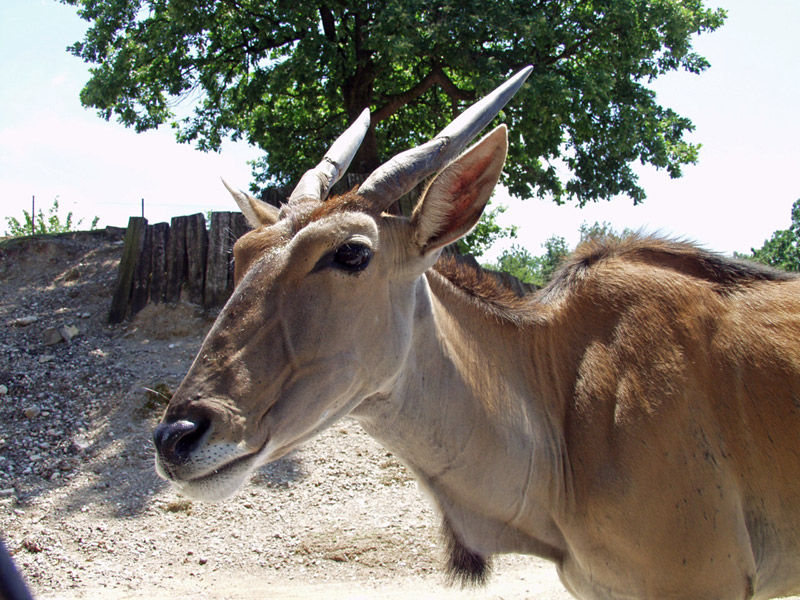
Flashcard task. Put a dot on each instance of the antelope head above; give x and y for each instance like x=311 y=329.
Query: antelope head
x=322 y=314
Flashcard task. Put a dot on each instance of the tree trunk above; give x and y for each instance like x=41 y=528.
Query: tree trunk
x=367 y=158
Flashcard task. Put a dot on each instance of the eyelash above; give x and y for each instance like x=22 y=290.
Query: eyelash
x=350 y=257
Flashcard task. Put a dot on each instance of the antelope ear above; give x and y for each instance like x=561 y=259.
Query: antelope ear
x=455 y=199
x=256 y=212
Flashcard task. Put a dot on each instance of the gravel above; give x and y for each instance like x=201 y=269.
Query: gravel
x=85 y=516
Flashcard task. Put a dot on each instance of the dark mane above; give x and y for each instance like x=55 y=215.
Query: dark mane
x=503 y=295
x=506 y=298
x=727 y=274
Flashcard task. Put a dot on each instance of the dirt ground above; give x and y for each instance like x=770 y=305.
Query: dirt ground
x=85 y=516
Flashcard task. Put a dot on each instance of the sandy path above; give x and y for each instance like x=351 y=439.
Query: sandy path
x=539 y=582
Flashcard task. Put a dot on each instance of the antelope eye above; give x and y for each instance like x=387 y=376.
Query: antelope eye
x=352 y=257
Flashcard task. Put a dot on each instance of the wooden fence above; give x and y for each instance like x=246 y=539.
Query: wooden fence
x=185 y=261
x=178 y=261
x=182 y=261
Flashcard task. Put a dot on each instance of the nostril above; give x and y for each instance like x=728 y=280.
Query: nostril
x=191 y=439
x=177 y=440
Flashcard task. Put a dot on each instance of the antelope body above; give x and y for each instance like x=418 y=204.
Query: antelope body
x=637 y=422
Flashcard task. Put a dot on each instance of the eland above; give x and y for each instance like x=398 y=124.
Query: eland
x=637 y=421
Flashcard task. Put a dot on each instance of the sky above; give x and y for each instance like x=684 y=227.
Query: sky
x=746 y=109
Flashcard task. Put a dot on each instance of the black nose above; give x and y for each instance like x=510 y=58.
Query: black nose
x=177 y=440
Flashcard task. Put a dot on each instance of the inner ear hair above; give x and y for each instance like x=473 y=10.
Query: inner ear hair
x=455 y=199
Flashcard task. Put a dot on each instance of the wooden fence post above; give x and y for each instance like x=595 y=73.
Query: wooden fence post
x=176 y=260
x=196 y=257
x=239 y=226
x=141 y=273
x=220 y=247
x=158 y=264
x=134 y=238
x=226 y=228
x=181 y=261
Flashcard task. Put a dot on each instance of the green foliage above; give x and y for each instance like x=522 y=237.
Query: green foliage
x=288 y=76
x=520 y=263
x=478 y=241
x=782 y=250
x=600 y=231
x=16 y=229
x=44 y=224
x=538 y=270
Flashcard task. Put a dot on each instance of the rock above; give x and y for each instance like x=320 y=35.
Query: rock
x=24 y=321
x=46 y=358
x=32 y=545
x=7 y=492
x=80 y=442
x=56 y=335
x=51 y=336
x=68 y=332
x=86 y=315
x=3 y=390
x=32 y=412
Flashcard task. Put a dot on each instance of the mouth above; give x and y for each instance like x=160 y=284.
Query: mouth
x=225 y=469
x=212 y=484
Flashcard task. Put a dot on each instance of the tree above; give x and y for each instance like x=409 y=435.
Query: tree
x=523 y=265
x=538 y=270
x=50 y=224
x=289 y=76
x=601 y=231
x=783 y=248
x=485 y=233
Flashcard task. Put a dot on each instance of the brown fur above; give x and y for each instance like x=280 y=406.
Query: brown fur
x=483 y=287
x=349 y=201
x=725 y=274
x=635 y=421
x=250 y=247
